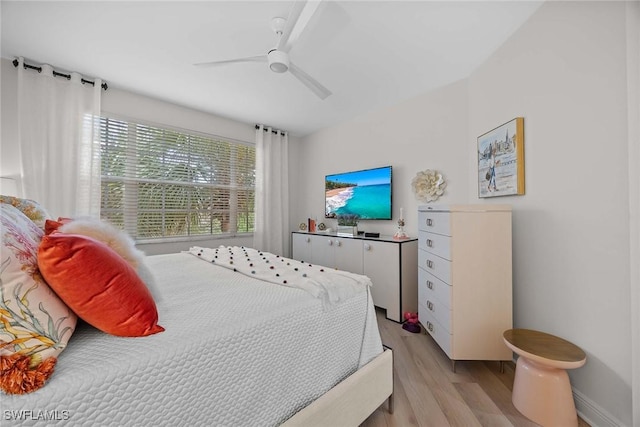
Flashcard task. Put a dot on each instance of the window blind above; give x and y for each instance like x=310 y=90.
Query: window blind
x=160 y=183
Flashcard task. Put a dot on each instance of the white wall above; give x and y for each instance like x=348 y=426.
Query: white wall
x=427 y=132
x=135 y=106
x=564 y=71
x=633 y=102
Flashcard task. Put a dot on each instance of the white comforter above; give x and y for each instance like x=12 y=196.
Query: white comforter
x=236 y=352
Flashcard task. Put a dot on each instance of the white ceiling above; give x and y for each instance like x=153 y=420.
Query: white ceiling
x=370 y=54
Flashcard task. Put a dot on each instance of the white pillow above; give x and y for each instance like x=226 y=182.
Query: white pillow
x=117 y=240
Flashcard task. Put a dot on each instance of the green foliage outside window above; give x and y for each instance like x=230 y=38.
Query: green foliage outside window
x=159 y=183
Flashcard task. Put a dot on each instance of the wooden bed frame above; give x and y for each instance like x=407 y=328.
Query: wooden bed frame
x=355 y=398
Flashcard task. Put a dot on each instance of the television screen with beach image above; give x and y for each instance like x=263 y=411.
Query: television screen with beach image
x=366 y=193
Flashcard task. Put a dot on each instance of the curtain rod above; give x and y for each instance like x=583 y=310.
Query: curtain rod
x=272 y=131
x=57 y=74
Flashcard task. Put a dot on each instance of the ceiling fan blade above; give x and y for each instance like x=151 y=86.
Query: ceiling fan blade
x=321 y=91
x=299 y=17
x=259 y=58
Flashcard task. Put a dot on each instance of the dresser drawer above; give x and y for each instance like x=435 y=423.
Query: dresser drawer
x=435 y=329
x=435 y=243
x=441 y=312
x=430 y=287
x=435 y=222
x=431 y=263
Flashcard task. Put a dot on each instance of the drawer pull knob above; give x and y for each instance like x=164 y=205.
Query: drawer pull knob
x=308 y=239
x=338 y=242
x=430 y=326
x=429 y=263
x=430 y=243
x=330 y=242
x=367 y=247
x=430 y=284
x=430 y=305
x=429 y=222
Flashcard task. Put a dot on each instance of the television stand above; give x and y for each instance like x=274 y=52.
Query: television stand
x=390 y=264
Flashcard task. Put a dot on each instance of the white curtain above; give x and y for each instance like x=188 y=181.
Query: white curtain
x=59 y=141
x=272 y=191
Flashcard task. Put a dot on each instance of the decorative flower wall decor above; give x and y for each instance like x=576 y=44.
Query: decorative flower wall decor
x=428 y=185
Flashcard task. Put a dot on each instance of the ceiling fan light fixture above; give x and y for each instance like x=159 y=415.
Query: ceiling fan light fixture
x=277 y=25
x=278 y=61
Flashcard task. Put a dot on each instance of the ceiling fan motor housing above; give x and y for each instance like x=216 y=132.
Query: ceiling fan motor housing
x=278 y=61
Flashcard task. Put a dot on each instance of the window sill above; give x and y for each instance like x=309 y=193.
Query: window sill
x=197 y=238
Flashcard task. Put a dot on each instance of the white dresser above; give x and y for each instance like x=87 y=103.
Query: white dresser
x=465 y=279
x=389 y=263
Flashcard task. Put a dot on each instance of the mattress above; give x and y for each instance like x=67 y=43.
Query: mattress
x=236 y=351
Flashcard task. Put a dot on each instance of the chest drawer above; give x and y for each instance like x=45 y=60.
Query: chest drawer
x=432 y=263
x=435 y=243
x=441 y=312
x=435 y=329
x=430 y=287
x=435 y=222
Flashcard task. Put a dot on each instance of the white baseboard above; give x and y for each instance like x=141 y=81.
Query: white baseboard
x=592 y=413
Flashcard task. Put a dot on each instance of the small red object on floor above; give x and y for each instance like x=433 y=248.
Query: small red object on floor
x=411 y=322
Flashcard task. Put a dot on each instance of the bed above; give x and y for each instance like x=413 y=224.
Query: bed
x=236 y=351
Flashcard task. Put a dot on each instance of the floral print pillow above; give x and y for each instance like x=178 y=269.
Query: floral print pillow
x=35 y=325
x=29 y=208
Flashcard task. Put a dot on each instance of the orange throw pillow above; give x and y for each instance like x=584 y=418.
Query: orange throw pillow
x=51 y=225
x=98 y=285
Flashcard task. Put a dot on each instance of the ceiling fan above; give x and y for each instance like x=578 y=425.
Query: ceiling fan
x=288 y=30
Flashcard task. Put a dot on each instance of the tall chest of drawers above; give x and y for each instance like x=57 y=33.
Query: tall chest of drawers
x=465 y=279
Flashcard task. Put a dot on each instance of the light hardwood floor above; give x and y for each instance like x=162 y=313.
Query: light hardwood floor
x=428 y=393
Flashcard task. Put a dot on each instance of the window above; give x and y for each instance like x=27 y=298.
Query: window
x=159 y=183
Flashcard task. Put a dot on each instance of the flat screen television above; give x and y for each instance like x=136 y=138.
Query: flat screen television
x=366 y=193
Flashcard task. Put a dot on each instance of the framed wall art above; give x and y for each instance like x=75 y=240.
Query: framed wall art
x=501 y=160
